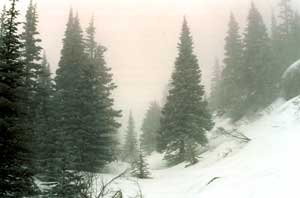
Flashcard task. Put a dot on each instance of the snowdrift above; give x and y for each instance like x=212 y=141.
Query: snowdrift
x=268 y=166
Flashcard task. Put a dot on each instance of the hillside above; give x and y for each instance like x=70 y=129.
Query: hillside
x=265 y=167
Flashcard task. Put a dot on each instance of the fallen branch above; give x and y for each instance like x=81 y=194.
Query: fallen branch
x=234 y=133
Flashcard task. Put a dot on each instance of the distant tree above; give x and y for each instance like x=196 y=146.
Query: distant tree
x=150 y=127
x=185 y=116
x=215 y=92
x=283 y=54
x=15 y=173
x=139 y=167
x=257 y=83
x=130 y=150
x=230 y=90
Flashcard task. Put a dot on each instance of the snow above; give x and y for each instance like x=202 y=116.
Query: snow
x=295 y=67
x=268 y=166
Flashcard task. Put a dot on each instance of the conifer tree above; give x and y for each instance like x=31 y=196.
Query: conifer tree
x=69 y=129
x=140 y=167
x=130 y=150
x=185 y=117
x=230 y=99
x=150 y=127
x=31 y=55
x=283 y=50
x=256 y=82
x=101 y=118
x=215 y=93
x=15 y=173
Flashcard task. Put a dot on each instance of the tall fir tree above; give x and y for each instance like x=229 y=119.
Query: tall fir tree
x=185 y=117
x=150 y=127
x=16 y=176
x=256 y=82
x=130 y=150
x=31 y=54
x=69 y=130
x=101 y=116
x=230 y=90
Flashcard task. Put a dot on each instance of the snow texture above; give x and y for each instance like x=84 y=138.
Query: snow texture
x=268 y=166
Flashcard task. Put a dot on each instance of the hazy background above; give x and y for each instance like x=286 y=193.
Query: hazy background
x=141 y=37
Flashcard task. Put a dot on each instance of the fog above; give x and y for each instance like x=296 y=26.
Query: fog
x=141 y=37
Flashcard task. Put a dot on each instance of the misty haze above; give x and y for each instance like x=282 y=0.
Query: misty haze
x=149 y=98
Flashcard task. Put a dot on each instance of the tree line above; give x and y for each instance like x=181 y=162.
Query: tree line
x=251 y=74
x=53 y=129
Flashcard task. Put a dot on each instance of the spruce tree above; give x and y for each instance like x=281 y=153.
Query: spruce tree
x=130 y=150
x=100 y=114
x=185 y=117
x=215 y=92
x=284 y=51
x=15 y=173
x=230 y=90
x=257 y=83
x=69 y=129
x=140 y=167
x=31 y=57
x=150 y=127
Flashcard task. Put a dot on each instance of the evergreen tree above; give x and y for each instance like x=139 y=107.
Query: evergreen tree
x=150 y=127
x=31 y=56
x=283 y=53
x=215 y=92
x=140 y=167
x=256 y=82
x=101 y=116
x=130 y=150
x=185 y=117
x=16 y=178
x=230 y=90
x=69 y=129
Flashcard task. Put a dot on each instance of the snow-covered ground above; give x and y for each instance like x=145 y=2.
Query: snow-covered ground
x=268 y=166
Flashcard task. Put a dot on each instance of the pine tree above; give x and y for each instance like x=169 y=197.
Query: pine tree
x=150 y=127
x=283 y=51
x=44 y=120
x=185 y=117
x=140 y=167
x=31 y=56
x=101 y=115
x=230 y=90
x=69 y=129
x=256 y=82
x=215 y=93
x=16 y=178
x=130 y=150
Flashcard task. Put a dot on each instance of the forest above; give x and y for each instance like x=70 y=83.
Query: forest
x=60 y=130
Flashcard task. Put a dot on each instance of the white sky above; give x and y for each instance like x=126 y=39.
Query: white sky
x=141 y=37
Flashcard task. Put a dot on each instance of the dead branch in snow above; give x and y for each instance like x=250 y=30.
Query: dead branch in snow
x=234 y=133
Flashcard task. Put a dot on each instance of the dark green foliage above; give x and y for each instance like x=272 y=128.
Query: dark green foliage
x=185 y=117
x=150 y=127
x=257 y=84
x=130 y=150
x=230 y=90
x=15 y=173
x=84 y=128
x=139 y=168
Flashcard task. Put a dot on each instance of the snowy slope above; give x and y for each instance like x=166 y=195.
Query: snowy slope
x=268 y=166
